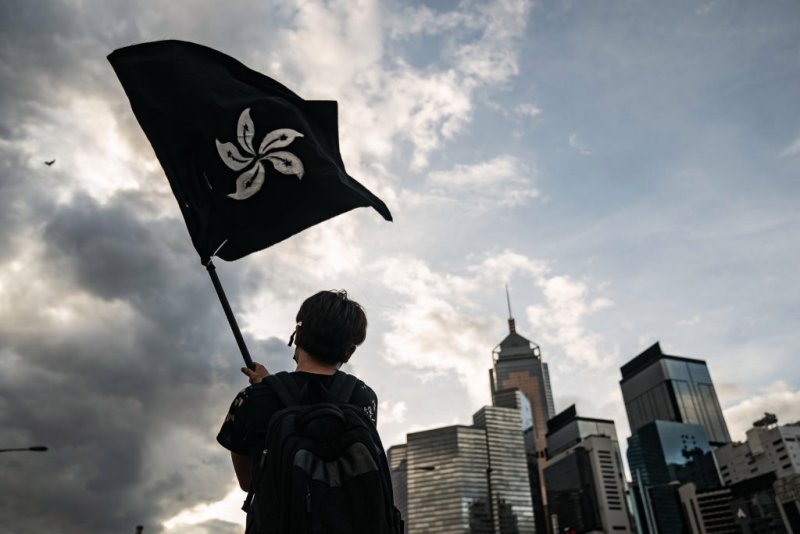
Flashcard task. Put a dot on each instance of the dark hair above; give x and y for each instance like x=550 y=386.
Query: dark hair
x=332 y=326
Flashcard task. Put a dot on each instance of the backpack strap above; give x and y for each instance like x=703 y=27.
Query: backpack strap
x=284 y=387
x=342 y=388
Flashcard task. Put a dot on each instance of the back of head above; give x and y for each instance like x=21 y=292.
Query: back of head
x=331 y=326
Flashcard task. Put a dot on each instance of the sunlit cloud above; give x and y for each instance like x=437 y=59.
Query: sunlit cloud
x=388 y=99
x=778 y=398
x=393 y=412
x=438 y=326
x=228 y=509
x=561 y=321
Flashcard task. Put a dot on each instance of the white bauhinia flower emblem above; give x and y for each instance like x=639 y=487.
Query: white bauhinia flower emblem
x=250 y=181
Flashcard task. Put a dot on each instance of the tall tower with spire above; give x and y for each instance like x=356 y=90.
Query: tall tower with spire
x=518 y=365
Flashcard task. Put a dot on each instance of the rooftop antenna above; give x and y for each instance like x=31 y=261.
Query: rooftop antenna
x=512 y=326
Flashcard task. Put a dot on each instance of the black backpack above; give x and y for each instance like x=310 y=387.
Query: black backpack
x=323 y=469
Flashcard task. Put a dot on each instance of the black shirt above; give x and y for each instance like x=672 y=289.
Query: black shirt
x=245 y=426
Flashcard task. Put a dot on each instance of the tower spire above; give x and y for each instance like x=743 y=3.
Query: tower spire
x=512 y=326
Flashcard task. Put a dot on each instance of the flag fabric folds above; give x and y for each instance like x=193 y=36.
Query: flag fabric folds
x=249 y=161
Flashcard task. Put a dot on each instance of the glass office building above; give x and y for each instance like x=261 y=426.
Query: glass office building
x=509 y=487
x=571 y=493
x=514 y=398
x=657 y=386
x=662 y=455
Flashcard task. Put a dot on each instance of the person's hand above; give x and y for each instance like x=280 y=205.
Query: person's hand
x=257 y=374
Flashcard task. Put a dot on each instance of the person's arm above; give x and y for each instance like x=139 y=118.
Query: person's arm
x=242 y=464
x=243 y=467
x=231 y=435
x=257 y=374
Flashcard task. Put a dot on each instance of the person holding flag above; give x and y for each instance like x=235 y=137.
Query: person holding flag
x=330 y=326
x=250 y=164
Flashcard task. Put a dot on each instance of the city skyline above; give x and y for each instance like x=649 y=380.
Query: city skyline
x=629 y=170
x=679 y=457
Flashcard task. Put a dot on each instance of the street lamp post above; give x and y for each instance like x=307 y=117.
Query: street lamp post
x=35 y=448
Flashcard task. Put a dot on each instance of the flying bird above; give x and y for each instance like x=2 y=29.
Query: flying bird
x=49 y=163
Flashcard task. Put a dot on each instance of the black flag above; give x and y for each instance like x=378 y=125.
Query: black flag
x=250 y=162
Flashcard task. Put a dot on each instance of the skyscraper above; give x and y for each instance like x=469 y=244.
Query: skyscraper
x=675 y=420
x=509 y=488
x=518 y=364
x=446 y=473
x=660 y=387
x=466 y=478
x=662 y=455
x=584 y=478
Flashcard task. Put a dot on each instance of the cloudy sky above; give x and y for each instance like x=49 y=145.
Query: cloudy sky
x=629 y=170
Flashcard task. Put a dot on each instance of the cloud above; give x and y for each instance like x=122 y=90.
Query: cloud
x=501 y=181
x=124 y=385
x=695 y=319
x=393 y=412
x=578 y=146
x=100 y=165
x=778 y=398
x=493 y=58
x=344 y=50
x=437 y=326
x=528 y=110
x=210 y=526
x=792 y=150
x=561 y=321
x=113 y=347
x=705 y=8
x=224 y=515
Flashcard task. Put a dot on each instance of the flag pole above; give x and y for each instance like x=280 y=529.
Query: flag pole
x=212 y=272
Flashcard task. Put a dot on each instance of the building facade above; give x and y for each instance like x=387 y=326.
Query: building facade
x=767 y=449
x=707 y=512
x=787 y=493
x=461 y=479
x=518 y=365
x=398 y=466
x=755 y=506
x=584 y=475
x=510 y=501
x=447 y=488
x=763 y=473
x=514 y=398
x=663 y=455
x=660 y=387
